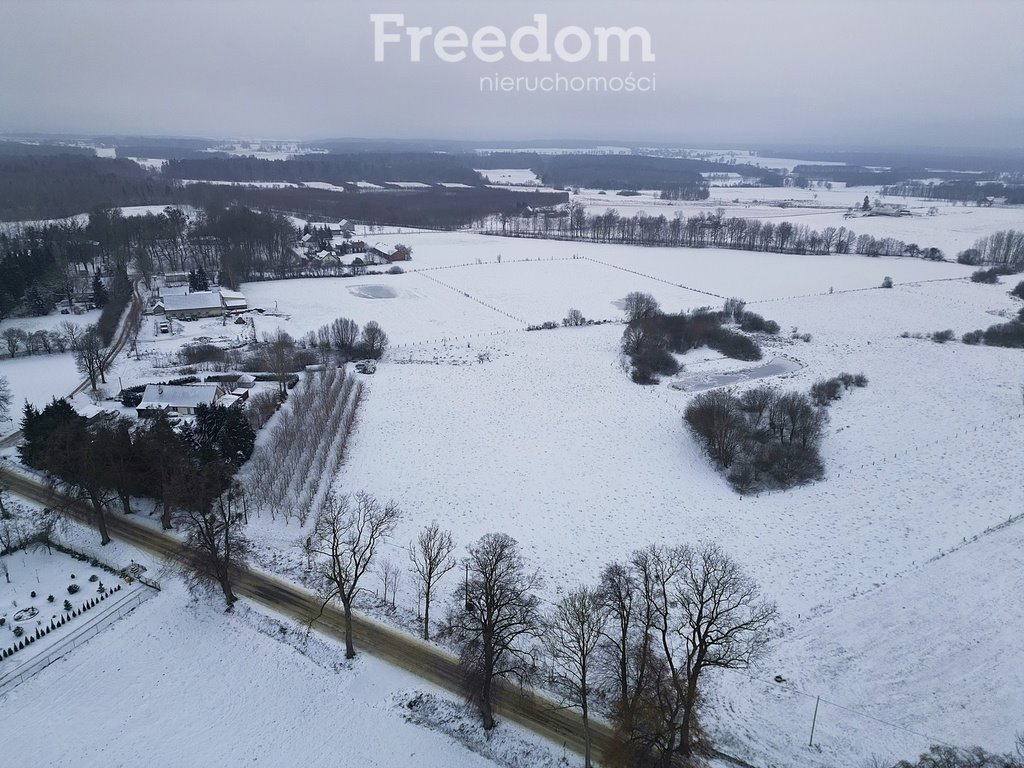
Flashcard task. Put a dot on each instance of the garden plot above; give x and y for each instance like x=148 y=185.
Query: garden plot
x=50 y=593
x=37 y=379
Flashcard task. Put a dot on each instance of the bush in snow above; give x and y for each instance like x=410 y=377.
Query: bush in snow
x=941 y=337
x=72 y=588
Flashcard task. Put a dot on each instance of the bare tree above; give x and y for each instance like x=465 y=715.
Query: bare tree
x=73 y=333
x=280 y=354
x=707 y=614
x=15 y=339
x=639 y=305
x=346 y=534
x=575 y=627
x=344 y=334
x=5 y=399
x=495 y=613
x=215 y=541
x=389 y=575
x=574 y=318
x=373 y=341
x=431 y=557
x=89 y=357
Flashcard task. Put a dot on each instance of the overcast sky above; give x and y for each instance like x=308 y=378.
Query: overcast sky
x=864 y=72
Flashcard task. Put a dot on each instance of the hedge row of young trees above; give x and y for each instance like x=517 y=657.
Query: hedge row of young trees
x=764 y=438
x=1003 y=248
x=306 y=446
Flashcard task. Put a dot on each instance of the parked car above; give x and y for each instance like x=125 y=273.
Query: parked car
x=164 y=327
x=366 y=366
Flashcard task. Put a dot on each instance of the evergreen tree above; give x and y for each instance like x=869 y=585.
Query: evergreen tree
x=202 y=280
x=865 y=206
x=37 y=426
x=99 y=291
x=192 y=281
x=224 y=432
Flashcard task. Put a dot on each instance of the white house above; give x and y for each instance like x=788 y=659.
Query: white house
x=200 y=303
x=182 y=399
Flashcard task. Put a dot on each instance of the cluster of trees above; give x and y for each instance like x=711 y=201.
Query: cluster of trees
x=343 y=340
x=703 y=230
x=652 y=336
x=945 y=756
x=305 y=446
x=189 y=471
x=31 y=273
x=57 y=185
x=764 y=438
x=1003 y=248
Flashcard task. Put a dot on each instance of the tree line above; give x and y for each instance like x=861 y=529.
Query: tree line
x=703 y=230
x=635 y=646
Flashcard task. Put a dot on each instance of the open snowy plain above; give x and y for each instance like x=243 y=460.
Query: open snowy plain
x=897 y=576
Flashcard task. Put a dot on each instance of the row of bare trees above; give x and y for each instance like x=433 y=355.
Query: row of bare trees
x=636 y=646
x=306 y=446
x=703 y=230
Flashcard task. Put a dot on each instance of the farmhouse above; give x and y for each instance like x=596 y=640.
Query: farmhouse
x=182 y=399
x=388 y=253
x=200 y=304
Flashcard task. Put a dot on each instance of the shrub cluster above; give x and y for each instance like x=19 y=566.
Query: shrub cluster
x=827 y=391
x=650 y=340
x=764 y=438
x=1009 y=334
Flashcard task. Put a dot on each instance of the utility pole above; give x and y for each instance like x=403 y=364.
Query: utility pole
x=814 y=720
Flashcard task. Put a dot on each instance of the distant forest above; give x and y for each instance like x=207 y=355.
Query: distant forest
x=436 y=207
x=60 y=185
x=339 y=169
x=856 y=176
x=54 y=186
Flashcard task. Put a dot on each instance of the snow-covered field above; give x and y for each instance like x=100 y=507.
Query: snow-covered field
x=895 y=602
x=548 y=440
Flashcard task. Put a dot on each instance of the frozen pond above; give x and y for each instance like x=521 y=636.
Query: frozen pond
x=698 y=382
x=372 y=291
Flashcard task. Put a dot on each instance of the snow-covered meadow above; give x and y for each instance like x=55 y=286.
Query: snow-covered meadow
x=481 y=425
x=903 y=552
